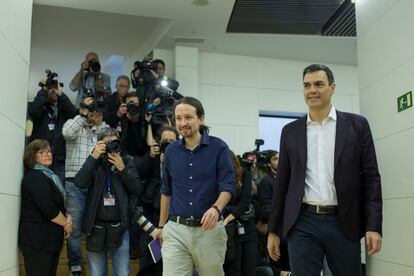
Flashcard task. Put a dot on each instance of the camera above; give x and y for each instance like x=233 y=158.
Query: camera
x=138 y=217
x=144 y=68
x=98 y=98
x=51 y=82
x=164 y=110
x=132 y=109
x=163 y=145
x=94 y=65
x=254 y=157
x=113 y=146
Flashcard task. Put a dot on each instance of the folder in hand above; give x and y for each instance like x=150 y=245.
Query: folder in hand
x=155 y=249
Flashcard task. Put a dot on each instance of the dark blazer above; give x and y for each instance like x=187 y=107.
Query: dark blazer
x=356 y=176
x=126 y=183
x=41 y=202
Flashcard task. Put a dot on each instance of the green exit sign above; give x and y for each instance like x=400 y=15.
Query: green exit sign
x=405 y=101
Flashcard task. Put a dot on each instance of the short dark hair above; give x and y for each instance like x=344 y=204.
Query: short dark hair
x=167 y=128
x=131 y=94
x=123 y=77
x=106 y=132
x=198 y=107
x=319 y=67
x=159 y=61
x=29 y=158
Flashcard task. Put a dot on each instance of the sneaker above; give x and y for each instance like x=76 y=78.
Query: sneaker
x=76 y=270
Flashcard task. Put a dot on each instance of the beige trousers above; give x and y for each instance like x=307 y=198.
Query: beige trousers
x=186 y=247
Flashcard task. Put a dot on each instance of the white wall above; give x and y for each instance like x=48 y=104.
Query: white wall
x=15 y=28
x=233 y=89
x=386 y=69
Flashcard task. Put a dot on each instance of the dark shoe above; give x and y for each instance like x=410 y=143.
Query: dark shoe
x=133 y=253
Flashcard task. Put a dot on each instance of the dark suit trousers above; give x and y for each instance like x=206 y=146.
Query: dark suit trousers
x=40 y=262
x=312 y=237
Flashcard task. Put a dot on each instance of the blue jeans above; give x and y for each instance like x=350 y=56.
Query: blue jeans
x=98 y=265
x=312 y=237
x=76 y=199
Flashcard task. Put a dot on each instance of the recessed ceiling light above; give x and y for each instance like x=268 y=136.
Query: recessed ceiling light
x=201 y=2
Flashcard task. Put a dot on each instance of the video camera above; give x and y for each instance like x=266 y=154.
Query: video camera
x=254 y=157
x=144 y=68
x=51 y=82
x=163 y=111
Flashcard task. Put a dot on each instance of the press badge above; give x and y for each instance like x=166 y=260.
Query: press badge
x=240 y=229
x=109 y=200
x=51 y=127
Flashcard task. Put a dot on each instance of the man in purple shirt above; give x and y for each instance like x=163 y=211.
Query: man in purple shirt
x=197 y=183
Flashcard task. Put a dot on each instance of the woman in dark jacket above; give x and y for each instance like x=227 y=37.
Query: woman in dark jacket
x=43 y=221
x=239 y=220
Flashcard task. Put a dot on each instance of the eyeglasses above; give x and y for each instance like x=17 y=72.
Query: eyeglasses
x=44 y=152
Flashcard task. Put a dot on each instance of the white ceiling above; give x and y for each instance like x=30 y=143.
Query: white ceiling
x=139 y=19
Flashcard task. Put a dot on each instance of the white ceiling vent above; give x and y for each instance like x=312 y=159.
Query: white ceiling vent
x=189 y=40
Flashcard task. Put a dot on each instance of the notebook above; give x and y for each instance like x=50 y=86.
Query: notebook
x=155 y=249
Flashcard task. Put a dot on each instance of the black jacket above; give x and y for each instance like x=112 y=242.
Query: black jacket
x=149 y=171
x=41 y=201
x=241 y=202
x=92 y=175
x=264 y=197
x=41 y=114
x=110 y=113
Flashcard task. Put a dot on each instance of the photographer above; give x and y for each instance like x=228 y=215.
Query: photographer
x=49 y=111
x=264 y=201
x=80 y=134
x=239 y=221
x=148 y=77
x=149 y=170
x=111 y=179
x=90 y=81
x=133 y=128
x=115 y=104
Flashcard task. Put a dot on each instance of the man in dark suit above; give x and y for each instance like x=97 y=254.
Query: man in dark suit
x=328 y=192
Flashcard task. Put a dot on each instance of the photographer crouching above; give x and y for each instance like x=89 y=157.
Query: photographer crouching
x=111 y=180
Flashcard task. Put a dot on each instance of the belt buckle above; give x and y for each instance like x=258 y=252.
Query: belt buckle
x=319 y=211
x=189 y=221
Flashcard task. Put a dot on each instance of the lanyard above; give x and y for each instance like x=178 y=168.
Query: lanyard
x=108 y=184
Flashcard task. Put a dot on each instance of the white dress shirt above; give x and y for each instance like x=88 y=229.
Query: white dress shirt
x=319 y=179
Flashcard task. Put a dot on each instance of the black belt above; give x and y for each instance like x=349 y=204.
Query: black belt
x=321 y=210
x=193 y=222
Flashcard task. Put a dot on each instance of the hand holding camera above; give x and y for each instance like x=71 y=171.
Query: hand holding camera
x=154 y=150
x=92 y=66
x=85 y=106
x=99 y=149
x=122 y=110
x=116 y=160
x=85 y=66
